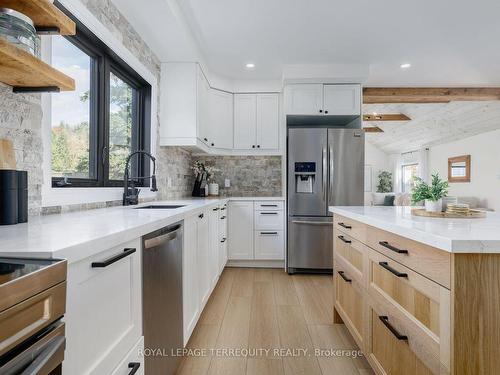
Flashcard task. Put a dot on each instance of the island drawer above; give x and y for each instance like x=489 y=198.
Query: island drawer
x=349 y=301
x=352 y=252
x=351 y=227
x=426 y=260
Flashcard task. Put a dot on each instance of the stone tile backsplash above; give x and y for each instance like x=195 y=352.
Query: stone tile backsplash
x=249 y=175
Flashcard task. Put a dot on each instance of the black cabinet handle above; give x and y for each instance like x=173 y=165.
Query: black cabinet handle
x=258 y=146
x=345 y=226
x=215 y=209
x=326 y=112
x=223 y=208
x=269 y=233
x=212 y=144
x=113 y=259
x=392 y=248
x=392 y=270
x=206 y=140
x=342 y=275
x=342 y=238
x=269 y=213
x=222 y=217
x=201 y=216
x=399 y=336
x=223 y=240
x=320 y=111
x=253 y=146
x=134 y=366
x=269 y=205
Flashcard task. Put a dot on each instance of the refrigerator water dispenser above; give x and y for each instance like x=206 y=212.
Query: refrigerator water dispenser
x=305 y=176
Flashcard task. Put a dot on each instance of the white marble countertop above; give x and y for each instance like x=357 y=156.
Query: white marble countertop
x=77 y=235
x=452 y=235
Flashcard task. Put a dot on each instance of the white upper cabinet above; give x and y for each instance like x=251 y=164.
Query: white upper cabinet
x=203 y=108
x=304 y=99
x=256 y=121
x=220 y=134
x=320 y=99
x=268 y=121
x=342 y=100
x=245 y=121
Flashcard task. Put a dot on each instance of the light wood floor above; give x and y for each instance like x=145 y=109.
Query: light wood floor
x=268 y=309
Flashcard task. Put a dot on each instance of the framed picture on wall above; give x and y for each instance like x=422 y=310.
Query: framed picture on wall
x=368 y=179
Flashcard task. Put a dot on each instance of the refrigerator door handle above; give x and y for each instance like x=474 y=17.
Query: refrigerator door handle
x=325 y=174
x=331 y=170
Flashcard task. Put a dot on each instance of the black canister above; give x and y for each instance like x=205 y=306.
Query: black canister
x=22 y=196
x=8 y=197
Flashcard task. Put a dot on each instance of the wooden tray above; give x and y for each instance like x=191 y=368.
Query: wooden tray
x=473 y=214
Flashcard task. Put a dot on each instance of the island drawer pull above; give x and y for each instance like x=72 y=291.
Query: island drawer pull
x=392 y=248
x=342 y=275
x=394 y=331
x=345 y=226
x=342 y=238
x=392 y=270
x=113 y=259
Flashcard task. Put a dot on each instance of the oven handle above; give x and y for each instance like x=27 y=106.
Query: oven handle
x=45 y=356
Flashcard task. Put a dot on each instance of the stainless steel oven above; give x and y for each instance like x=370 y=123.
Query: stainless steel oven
x=32 y=303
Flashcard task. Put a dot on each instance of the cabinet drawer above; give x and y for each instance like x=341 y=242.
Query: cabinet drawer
x=265 y=220
x=269 y=205
x=269 y=245
x=349 y=302
x=134 y=359
x=426 y=260
x=351 y=227
x=351 y=251
x=104 y=310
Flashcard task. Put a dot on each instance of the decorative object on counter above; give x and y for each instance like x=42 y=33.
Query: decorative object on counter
x=459 y=169
x=13 y=197
x=204 y=177
x=19 y=30
x=471 y=214
x=213 y=189
x=384 y=182
x=449 y=200
x=432 y=194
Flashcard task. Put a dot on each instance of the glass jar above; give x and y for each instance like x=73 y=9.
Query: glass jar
x=19 y=30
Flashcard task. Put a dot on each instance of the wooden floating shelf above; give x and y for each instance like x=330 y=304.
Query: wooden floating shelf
x=373 y=129
x=45 y=15
x=386 y=117
x=25 y=72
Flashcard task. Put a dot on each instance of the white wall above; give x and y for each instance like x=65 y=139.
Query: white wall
x=379 y=161
x=485 y=167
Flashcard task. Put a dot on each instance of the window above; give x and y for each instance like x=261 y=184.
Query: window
x=96 y=127
x=408 y=173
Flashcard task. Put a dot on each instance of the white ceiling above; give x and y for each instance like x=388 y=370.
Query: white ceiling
x=431 y=124
x=448 y=42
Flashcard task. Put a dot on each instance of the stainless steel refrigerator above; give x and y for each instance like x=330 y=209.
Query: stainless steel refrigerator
x=325 y=168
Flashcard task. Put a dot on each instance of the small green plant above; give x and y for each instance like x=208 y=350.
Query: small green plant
x=384 y=182
x=435 y=191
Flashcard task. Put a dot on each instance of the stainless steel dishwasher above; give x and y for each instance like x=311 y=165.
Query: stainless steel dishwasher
x=162 y=299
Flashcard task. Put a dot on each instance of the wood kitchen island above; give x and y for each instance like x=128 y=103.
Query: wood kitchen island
x=419 y=295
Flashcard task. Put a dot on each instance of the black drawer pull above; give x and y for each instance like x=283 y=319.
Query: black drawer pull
x=342 y=275
x=390 y=247
x=392 y=270
x=134 y=366
x=345 y=226
x=222 y=217
x=201 y=216
x=270 y=233
x=399 y=336
x=223 y=208
x=223 y=240
x=113 y=259
x=269 y=205
x=269 y=213
x=215 y=209
x=342 y=238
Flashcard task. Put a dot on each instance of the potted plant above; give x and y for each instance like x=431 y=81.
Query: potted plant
x=432 y=194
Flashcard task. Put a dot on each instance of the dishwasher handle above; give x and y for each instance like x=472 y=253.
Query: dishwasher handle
x=160 y=240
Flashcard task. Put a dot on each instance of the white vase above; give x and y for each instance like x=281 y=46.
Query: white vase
x=434 y=206
x=213 y=189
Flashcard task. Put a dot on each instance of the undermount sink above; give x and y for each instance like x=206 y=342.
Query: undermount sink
x=160 y=207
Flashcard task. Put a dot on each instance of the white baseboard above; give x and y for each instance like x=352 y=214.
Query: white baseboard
x=256 y=263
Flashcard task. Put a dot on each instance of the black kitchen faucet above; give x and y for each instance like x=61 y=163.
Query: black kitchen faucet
x=130 y=192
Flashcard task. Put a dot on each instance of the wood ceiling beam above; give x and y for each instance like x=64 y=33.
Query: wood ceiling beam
x=380 y=95
x=386 y=117
x=373 y=129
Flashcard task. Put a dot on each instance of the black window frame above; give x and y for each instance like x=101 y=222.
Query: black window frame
x=105 y=62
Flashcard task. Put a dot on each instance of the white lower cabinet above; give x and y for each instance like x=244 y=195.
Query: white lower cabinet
x=241 y=230
x=223 y=237
x=133 y=360
x=214 y=242
x=256 y=230
x=104 y=310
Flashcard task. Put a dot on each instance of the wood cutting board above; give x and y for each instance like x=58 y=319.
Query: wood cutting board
x=7 y=155
x=473 y=214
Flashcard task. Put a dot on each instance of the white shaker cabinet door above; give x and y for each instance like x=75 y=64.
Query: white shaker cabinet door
x=214 y=241
x=304 y=99
x=245 y=121
x=190 y=285
x=221 y=119
x=203 y=258
x=342 y=100
x=268 y=121
x=241 y=232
